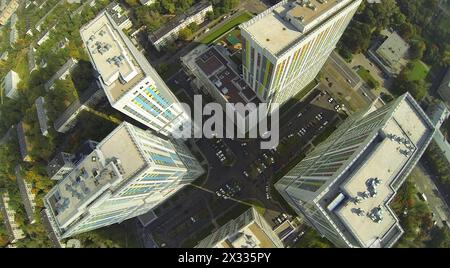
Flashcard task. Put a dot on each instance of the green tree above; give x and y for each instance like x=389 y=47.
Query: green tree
x=168 y=6
x=406 y=30
x=417 y=49
x=185 y=34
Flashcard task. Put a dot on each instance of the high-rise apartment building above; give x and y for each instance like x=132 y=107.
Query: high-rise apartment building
x=249 y=230
x=344 y=186
x=127 y=174
x=285 y=46
x=131 y=84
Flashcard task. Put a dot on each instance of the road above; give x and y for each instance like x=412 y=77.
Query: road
x=339 y=63
x=425 y=184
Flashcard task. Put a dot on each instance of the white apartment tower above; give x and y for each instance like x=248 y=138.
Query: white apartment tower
x=131 y=84
x=127 y=174
x=343 y=188
x=285 y=46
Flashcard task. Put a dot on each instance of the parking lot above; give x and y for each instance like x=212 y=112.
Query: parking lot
x=195 y=211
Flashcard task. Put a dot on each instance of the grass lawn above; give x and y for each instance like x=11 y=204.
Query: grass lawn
x=368 y=78
x=418 y=71
x=226 y=27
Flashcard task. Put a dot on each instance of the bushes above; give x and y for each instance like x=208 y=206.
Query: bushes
x=439 y=164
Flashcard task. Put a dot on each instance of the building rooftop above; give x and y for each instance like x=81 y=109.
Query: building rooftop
x=217 y=68
x=109 y=53
x=362 y=200
x=115 y=158
x=281 y=26
x=117 y=13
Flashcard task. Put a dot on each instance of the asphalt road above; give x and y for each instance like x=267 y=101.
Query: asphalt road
x=350 y=76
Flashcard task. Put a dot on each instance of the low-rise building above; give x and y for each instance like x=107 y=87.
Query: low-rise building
x=14 y=232
x=390 y=56
x=215 y=74
x=42 y=115
x=31 y=60
x=249 y=230
x=169 y=32
x=13 y=37
x=4 y=56
x=13 y=21
x=26 y=195
x=9 y=84
x=2 y=4
x=38 y=24
x=147 y=2
x=119 y=16
x=24 y=144
x=62 y=73
x=80 y=8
